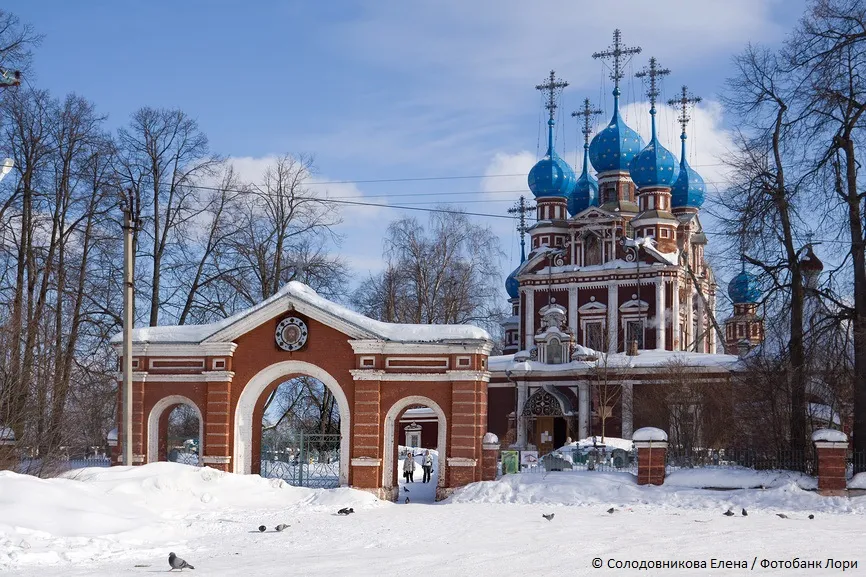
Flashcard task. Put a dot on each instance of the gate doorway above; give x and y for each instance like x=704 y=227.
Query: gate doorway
x=301 y=434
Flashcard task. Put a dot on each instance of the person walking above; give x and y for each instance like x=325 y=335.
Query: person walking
x=409 y=467
x=427 y=465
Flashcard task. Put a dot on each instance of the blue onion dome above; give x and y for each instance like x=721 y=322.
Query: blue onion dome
x=512 y=286
x=744 y=288
x=585 y=193
x=614 y=147
x=655 y=165
x=689 y=190
x=551 y=176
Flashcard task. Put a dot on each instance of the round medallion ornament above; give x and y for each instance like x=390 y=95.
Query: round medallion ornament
x=291 y=334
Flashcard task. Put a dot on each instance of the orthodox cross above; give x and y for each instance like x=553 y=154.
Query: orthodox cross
x=521 y=209
x=588 y=112
x=620 y=55
x=652 y=72
x=551 y=87
x=683 y=104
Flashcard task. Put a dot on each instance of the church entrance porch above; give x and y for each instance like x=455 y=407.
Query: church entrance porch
x=351 y=380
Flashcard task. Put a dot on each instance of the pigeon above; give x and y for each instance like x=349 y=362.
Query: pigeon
x=345 y=511
x=611 y=510
x=548 y=517
x=811 y=516
x=745 y=514
x=407 y=500
x=728 y=513
x=781 y=515
x=406 y=489
x=280 y=527
x=178 y=563
x=262 y=528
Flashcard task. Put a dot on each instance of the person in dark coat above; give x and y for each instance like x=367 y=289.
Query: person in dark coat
x=427 y=465
x=409 y=467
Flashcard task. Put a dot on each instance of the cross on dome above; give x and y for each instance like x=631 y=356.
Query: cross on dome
x=588 y=112
x=551 y=87
x=652 y=72
x=620 y=56
x=683 y=103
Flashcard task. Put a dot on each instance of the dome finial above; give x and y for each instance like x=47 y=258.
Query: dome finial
x=585 y=192
x=683 y=103
x=588 y=112
x=552 y=86
x=620 y=56
x=653 y=72
x=520 y=209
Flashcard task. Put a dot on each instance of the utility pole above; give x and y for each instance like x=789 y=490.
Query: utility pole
x=126 y=392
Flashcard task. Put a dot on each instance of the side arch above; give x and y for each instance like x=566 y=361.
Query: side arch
x=390 y=428
x=243 y=417
x=153 y=424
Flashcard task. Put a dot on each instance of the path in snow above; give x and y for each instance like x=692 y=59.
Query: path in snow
x=418 y=492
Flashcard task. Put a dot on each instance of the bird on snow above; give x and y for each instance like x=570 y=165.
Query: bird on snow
x=280 y=527
x=345 y=511
x=611 y=511
x=407 y=500
x=262 y=528
x=548 y=517
x=728 y=513
x=811 y=516
x=745 y=514
x=178 y=563
x=406 y=489
x=781 y=515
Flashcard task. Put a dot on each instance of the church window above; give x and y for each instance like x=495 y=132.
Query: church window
x=554 y=352
x=664 y=233
x=545 y=240
x=754 y=330
x=740 y=331
x=594 y=336
x=634 y=332
x=592 y=251
x=559 y=241
x=652 y=203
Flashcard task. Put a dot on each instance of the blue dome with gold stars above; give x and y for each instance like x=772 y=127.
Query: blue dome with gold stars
x=744 y=288
x=689 y=190
x=551 y=176
x=585 y=193
x=615 y=146
x=655 y=165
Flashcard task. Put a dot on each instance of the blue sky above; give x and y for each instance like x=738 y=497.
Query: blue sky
x=394 y=89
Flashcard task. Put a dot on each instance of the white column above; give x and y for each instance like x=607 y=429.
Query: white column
x=675 y=313
x=612 y=317
x=583 y=410
x=572 y=309
x=701 y=330
x=689 y=337
x=627 y=414
x=521 y=422
x=711 y=328
x=660 y=314
x=529 y=318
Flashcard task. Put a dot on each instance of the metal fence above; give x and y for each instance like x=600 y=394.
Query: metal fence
x=759 y=460
x=581 y=459
x=305 y=460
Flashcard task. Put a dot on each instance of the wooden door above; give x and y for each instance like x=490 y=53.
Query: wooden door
x=544 y=435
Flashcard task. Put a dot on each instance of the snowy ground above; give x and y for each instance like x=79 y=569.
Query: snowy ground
x=124 y=521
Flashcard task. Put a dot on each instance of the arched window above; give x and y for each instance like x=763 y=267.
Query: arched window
x=554 y=351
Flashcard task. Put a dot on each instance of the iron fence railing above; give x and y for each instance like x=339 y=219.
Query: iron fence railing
x=750 y=458
x=305 y=460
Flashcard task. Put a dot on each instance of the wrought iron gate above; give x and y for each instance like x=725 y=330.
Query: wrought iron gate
x=304 y=460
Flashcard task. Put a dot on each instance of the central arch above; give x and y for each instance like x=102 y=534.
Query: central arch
x=244 y=425
x=153 y=423
x=391 y=426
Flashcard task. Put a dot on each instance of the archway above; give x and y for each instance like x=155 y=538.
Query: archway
x=245 y=423
x=156 y=415
x=390 y=475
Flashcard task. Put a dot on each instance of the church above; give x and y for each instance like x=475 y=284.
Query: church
x=615 y=284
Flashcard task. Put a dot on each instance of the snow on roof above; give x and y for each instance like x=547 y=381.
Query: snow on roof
x=644 y=359
x=829 y=435
x=418 y=413
x=301 y=292
x=649 y=434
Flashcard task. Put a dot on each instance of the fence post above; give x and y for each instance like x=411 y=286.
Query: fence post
x=652 y=446
x=832 y=449
x=489 y=456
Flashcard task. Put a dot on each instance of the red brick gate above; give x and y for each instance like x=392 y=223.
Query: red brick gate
x=225 y=370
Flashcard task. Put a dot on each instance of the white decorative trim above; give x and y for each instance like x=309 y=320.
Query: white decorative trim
x=153 y=423
x=215 y=459
x=378 y=347
x=221 y=367
x=831 y=445
x=380 y=375
x=203 y=377
x=462 y=462
x=464 y=361
x=362 y=362
x=366 y=462
x=490 y=446
x=390 y=362
x=180 y=349
x=243 y=417
x=390 y=426
x=650 y=444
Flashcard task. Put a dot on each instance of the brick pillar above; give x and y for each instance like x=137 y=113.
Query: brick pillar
x=652 y=448
x=139 y=443
x=464 y=451
x=832 y=448
x=366 y=462
x=217 y=429
x=489 y=457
